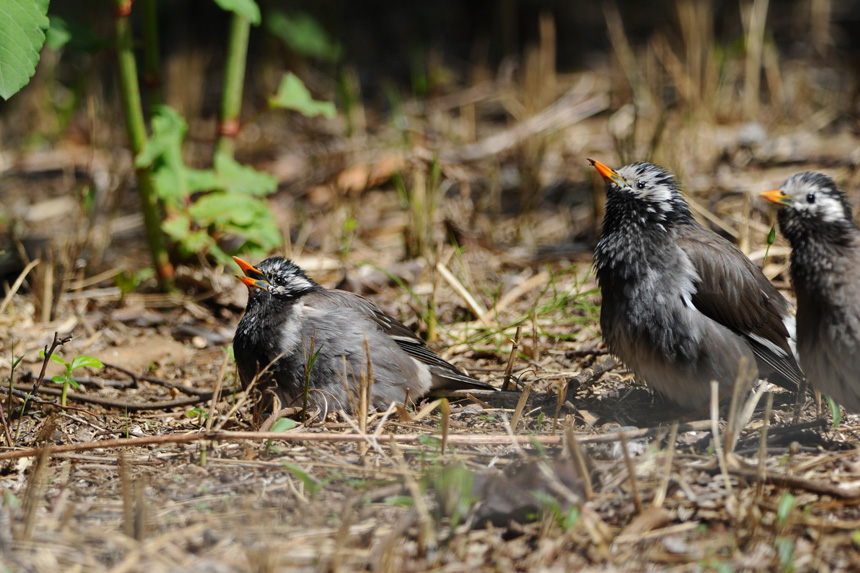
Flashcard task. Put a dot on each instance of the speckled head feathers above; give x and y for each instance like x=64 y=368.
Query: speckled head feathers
x=654 y=191
x=281 y=278
x=815 y=195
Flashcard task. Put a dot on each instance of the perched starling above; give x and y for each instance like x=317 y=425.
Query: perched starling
x=291 y=321
x=825 y=272
x=681 y=305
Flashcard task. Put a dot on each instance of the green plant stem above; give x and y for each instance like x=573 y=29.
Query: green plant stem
x=134 y=121
x=151 y=57
x=234 y=80
x=63 y=395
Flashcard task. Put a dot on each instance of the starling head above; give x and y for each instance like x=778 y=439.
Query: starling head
x=812 y=196
x=276 y=276
x=647 y=189
x=814 y=211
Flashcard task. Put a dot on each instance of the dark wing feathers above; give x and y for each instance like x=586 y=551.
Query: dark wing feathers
x=734 y=292
x=405 y=339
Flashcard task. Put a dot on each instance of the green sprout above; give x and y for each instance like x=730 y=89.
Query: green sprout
x=66 y=378
x=771 y=239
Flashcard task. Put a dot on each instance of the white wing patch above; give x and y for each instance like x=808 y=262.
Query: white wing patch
x=772 y=347
x=291 y=329
x=789 y=322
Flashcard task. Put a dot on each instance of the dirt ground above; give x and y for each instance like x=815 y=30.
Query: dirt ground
x=579 y=467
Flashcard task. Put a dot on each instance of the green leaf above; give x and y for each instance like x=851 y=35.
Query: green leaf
x=246 y=8
x=240 y=178
x=22 y=36
x=310 y=483
x=225 y=207
x=570 y=518
x=292 y=94
x=786 y=504
x=219 y=255
x=283 y=425
x=73 y=384
x=127 y=281
x=427 y=440
x=201 y=180
x=197 y=413
x=168 y=131
x=74 y=35
x=55 y=357
x=303 y=34
x=86 y=361
x=11 y=500
x=198 y=242
x=163 y=151
x=401 y=500
x=59 y=379
x=177 y=227
x=835 y=412
x=263 y=233
x=785 y=551
x=314 y=359
x=58 y=34
x=170 y=185
x=771 y=236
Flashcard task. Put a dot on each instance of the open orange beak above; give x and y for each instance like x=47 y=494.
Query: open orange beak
x=776 y=196
x=607 y=173
x=253 y=277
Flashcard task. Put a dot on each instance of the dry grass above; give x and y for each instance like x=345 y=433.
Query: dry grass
x=499 y=218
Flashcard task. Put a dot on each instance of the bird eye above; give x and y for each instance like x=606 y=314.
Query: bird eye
x=810 y=198
x=640 y=185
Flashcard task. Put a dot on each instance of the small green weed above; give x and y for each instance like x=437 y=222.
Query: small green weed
x=66 y=378
x=835 y=412
x=452 y=486
x=204 y=204
x=565 y=519
x=199 y=413
x=312 y=485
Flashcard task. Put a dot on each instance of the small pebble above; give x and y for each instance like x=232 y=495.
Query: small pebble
x=676 y=545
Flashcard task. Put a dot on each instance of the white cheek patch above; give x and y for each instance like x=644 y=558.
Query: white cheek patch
x=662 y=196
x=300 y=283
x=829 y=210
x=825 y=207
x=295 y=284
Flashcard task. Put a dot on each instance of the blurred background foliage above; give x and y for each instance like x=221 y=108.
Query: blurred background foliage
x=425 y=49
x=692 y=84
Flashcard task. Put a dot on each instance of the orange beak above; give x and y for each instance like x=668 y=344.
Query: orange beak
x=253 y=277
x=607 y=173
x=776 y=196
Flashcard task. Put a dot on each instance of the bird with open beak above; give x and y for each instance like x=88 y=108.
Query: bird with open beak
x=295 y=333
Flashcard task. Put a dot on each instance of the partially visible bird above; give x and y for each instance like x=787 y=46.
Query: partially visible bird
x=825 y=271
x=291 y=322
x=681 y=305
